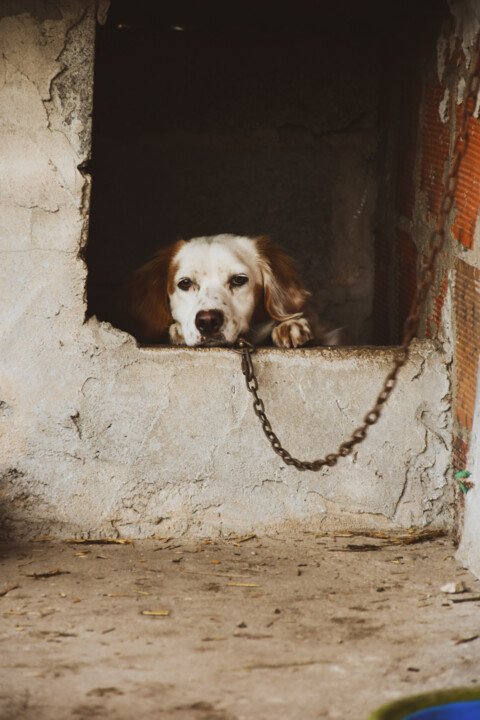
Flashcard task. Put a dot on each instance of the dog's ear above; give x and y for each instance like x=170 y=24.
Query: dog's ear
x=284 y=294
x=147 y=295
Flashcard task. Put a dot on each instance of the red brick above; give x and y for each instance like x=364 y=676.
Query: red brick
x=435 y=150
x=460 y=452
x=435 y=319
x=467 y=197
x=467 y=340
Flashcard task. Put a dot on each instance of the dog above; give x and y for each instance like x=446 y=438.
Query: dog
x=209 y=291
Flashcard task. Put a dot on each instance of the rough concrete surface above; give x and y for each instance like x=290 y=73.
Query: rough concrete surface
x=99 y=436
x=135 y=441
x=311 y=626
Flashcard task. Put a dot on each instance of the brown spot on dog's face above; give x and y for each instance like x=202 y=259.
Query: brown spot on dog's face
x=148 y=294
x=171 y=277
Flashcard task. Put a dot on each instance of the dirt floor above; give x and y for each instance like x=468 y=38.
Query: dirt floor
x=262 y=628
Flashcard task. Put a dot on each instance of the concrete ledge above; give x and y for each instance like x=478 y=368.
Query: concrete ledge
x=140 y=441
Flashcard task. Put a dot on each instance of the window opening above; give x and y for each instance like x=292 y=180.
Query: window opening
x=254 y=118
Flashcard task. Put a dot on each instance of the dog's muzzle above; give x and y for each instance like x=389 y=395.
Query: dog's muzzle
x=209 y=324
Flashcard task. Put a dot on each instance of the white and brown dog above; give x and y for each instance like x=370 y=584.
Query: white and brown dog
x=212 y=290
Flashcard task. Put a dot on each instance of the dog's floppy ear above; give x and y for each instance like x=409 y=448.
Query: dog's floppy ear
x=284 y=294
x=147 y=294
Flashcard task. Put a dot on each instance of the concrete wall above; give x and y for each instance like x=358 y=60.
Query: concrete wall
x=102 y=437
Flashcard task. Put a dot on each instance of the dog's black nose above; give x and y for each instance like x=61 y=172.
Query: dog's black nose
x=209 y=322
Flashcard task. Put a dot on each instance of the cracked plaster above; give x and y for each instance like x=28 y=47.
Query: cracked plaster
x=100 y=437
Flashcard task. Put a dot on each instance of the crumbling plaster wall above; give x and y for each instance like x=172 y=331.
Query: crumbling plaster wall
x=99 y=436
x=425 y=114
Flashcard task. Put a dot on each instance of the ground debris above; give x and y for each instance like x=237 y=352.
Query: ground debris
x=409 y=538
x=8 y=589
x=244 y=539
x=215 y=574
x=470 y=638
x=251 y=636
x=48 y=574
x=166 y=547
x=280 y=665
x=452 y=588
x=118 y=594
x=417 y=537
x=102 y=691
x=364 y=547
x=99 y=541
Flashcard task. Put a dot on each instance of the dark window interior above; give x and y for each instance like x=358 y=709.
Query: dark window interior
x=252 y=117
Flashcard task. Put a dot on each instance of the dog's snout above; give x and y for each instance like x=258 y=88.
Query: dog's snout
x=209 y=322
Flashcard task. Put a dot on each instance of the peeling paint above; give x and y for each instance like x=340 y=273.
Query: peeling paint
x=460 y=90
x=443 y=108
x=450 y=314
x=467 y=21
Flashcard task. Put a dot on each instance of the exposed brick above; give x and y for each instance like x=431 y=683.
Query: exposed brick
x=407 y=275
x=435 y=319
x=435 y=150
x=467 y=197
x=467 y=344
x=460 y=452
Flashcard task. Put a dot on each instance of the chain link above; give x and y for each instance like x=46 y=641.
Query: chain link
x=437 y=240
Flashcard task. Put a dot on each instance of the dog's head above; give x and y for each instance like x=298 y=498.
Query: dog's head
x=210 y=290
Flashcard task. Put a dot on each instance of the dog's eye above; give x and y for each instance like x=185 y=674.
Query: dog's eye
x=238 y=280
x=185 y=284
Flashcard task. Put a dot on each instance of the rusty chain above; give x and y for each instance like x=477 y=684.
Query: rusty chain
x=437 y=240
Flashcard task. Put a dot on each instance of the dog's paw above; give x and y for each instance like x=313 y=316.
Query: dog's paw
x=292 y=333
x=175 y=334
